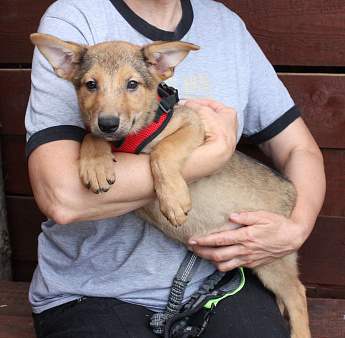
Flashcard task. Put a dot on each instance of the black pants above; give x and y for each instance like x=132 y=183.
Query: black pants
x=250 y=313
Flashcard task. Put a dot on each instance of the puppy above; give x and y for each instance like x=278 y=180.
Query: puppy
x=116 y=84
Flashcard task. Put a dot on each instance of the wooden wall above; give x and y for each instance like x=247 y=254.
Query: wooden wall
x=304 y=40
x=18 y=19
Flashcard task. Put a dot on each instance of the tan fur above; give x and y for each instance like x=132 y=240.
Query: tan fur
x=243 y=185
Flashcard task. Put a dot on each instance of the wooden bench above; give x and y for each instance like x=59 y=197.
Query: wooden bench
x=15 y=311
x=326 y=315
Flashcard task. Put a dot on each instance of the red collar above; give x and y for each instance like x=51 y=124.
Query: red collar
x=135 y=143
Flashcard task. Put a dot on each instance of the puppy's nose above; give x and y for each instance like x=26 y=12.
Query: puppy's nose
x=108 y=124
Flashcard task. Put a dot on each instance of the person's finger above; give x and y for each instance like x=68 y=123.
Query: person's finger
x=198 y=107
x=249 y=218
x=219 y=254
x=195 y=104
x=223 y=238
x=202 y=102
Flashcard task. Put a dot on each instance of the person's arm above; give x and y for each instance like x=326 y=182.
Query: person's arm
x=303 y=164
x=269 y=236
x=60 y=194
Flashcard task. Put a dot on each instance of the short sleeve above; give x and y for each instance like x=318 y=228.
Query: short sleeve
x=53 y=111
x=270 y=108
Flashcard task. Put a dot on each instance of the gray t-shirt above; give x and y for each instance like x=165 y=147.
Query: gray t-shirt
x=126 y=257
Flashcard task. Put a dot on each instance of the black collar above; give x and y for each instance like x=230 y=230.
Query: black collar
x=152 y=32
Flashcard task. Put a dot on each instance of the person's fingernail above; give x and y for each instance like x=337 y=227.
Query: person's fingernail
x=234 y=215
x=182 y=102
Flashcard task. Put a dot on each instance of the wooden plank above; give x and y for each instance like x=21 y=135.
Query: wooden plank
x=14 y=327
x=321 y=99
x=295 y=32
x=24 y=269
x=14 y=96
x=322 y=256
x=24 y=219
x=5 y=245
x=19 y=18
x=14 y=299
x=334 y=204
x=326 y=318
x=325 y=291
x=15 y=310
x=15 y=169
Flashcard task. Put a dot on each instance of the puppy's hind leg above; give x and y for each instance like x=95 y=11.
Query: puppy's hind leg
x=281 y=277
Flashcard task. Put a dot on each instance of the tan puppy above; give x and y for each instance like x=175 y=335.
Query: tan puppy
x=116 y=84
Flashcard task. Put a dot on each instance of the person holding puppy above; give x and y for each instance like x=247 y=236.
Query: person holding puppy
x=102 y=271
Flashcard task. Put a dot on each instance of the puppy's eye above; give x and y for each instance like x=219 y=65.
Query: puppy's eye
x=132 y=85
x=91 y=85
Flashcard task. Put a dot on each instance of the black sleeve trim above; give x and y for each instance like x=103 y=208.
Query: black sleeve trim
x=66 y=132
x=276 y=127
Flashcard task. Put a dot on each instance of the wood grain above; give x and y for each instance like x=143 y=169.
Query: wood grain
x=326 y=318
x=321 y=99
x=296 y=32
x=15 y=168
x=14 y=327
x=15 y=311
x=14 y=96
x=19 y=18
x=25 y=221
x=334 y=204
x=14 y=299
x=322 y=256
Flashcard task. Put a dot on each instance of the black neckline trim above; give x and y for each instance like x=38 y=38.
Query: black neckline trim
x=152 y=32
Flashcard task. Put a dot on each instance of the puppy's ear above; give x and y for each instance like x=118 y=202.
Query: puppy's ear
x=162 y=57
x=65 y=57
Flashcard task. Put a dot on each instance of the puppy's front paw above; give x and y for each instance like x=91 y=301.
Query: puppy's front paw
x=97 y=174
x=175 y=204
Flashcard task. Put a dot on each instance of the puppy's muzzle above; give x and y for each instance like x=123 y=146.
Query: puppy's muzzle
x=108 y=124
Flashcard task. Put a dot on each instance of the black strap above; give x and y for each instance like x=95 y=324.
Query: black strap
x=184 y=275
x=194 y=316
x=169 y=97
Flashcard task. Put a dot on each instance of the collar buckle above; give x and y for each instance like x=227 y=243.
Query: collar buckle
x=169 y=97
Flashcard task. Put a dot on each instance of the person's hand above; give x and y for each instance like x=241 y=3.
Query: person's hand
x=264 y=238
x=221 y=126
